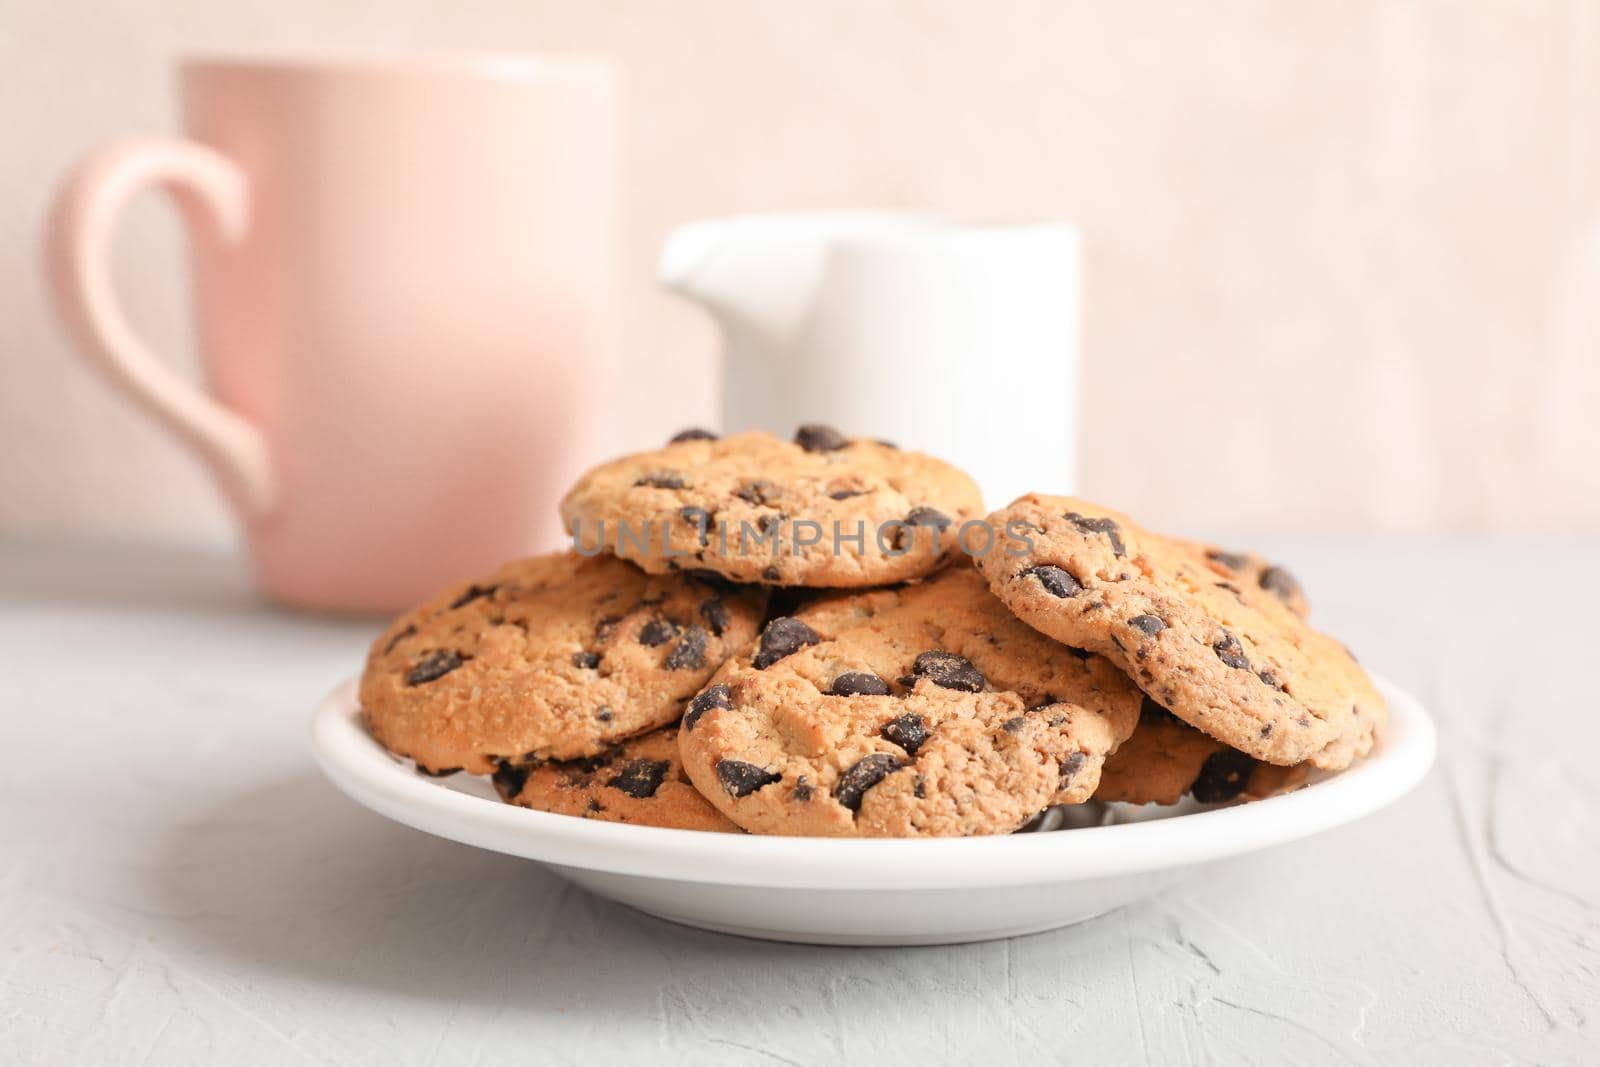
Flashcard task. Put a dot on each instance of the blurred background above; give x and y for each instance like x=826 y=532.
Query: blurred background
x=1342 y=260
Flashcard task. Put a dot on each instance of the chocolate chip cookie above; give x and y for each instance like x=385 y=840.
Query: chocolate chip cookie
x=926 y=709
x=1224 y=648
x=554 y=657
x=824 y=510
x=1167 y=758
x=640 y=781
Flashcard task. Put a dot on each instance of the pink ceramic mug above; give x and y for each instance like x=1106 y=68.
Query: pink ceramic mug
x=404 y=281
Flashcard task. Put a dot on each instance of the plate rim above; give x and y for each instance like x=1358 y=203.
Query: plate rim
x=363 y=770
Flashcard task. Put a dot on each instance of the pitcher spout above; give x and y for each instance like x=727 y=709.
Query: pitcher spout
x=760 y=273
x=685 y=257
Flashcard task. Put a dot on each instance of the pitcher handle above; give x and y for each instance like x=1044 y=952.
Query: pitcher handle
x=81 y=229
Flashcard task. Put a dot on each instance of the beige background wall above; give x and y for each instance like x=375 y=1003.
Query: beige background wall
x=1343 y=259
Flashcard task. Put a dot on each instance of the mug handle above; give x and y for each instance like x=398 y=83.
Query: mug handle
x=81 y=229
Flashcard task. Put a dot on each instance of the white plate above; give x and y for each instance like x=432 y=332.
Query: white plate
x=873 y=892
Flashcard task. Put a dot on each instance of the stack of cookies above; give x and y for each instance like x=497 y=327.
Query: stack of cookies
x=829 y=636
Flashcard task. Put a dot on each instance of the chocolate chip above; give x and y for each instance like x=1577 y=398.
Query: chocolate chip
x=640 y=778
x=802 y=790
x=948 y=671
x=770 y=574
x=1011 y=726
x=410 y=630
x=767 y=524
x=782 y=637
x=741 y=779
x=858 y=683
x=662 y=480
x=1229 y=651
x=433 y=666
x=861 y=776
x=1106 y=526
x=1280 y=583
x=443 y=772
x=595 y=805
x=700 y=519
x=1148 y=625
x=603 y=713
x=1056 y=581
x=1266 y=729
x=1222 y=777
x=927 y=517
x=1071 y=766
x=908 y=731
x=474 y=592
x=508 y=778
x=757 y=493
x=716 y=615
x=718 y=696
x=690 y=652
x=694 y=433
x=904 y=532
x=1270 y=679
x=587 y=661
x=920 y=789
x=1234 y=561
x=846 y=494
x=656 y=632
x=814 y=437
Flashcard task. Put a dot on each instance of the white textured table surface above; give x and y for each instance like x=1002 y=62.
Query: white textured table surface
x=177 y=883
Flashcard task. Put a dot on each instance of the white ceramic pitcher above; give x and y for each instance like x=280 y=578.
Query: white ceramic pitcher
x=960 y=340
